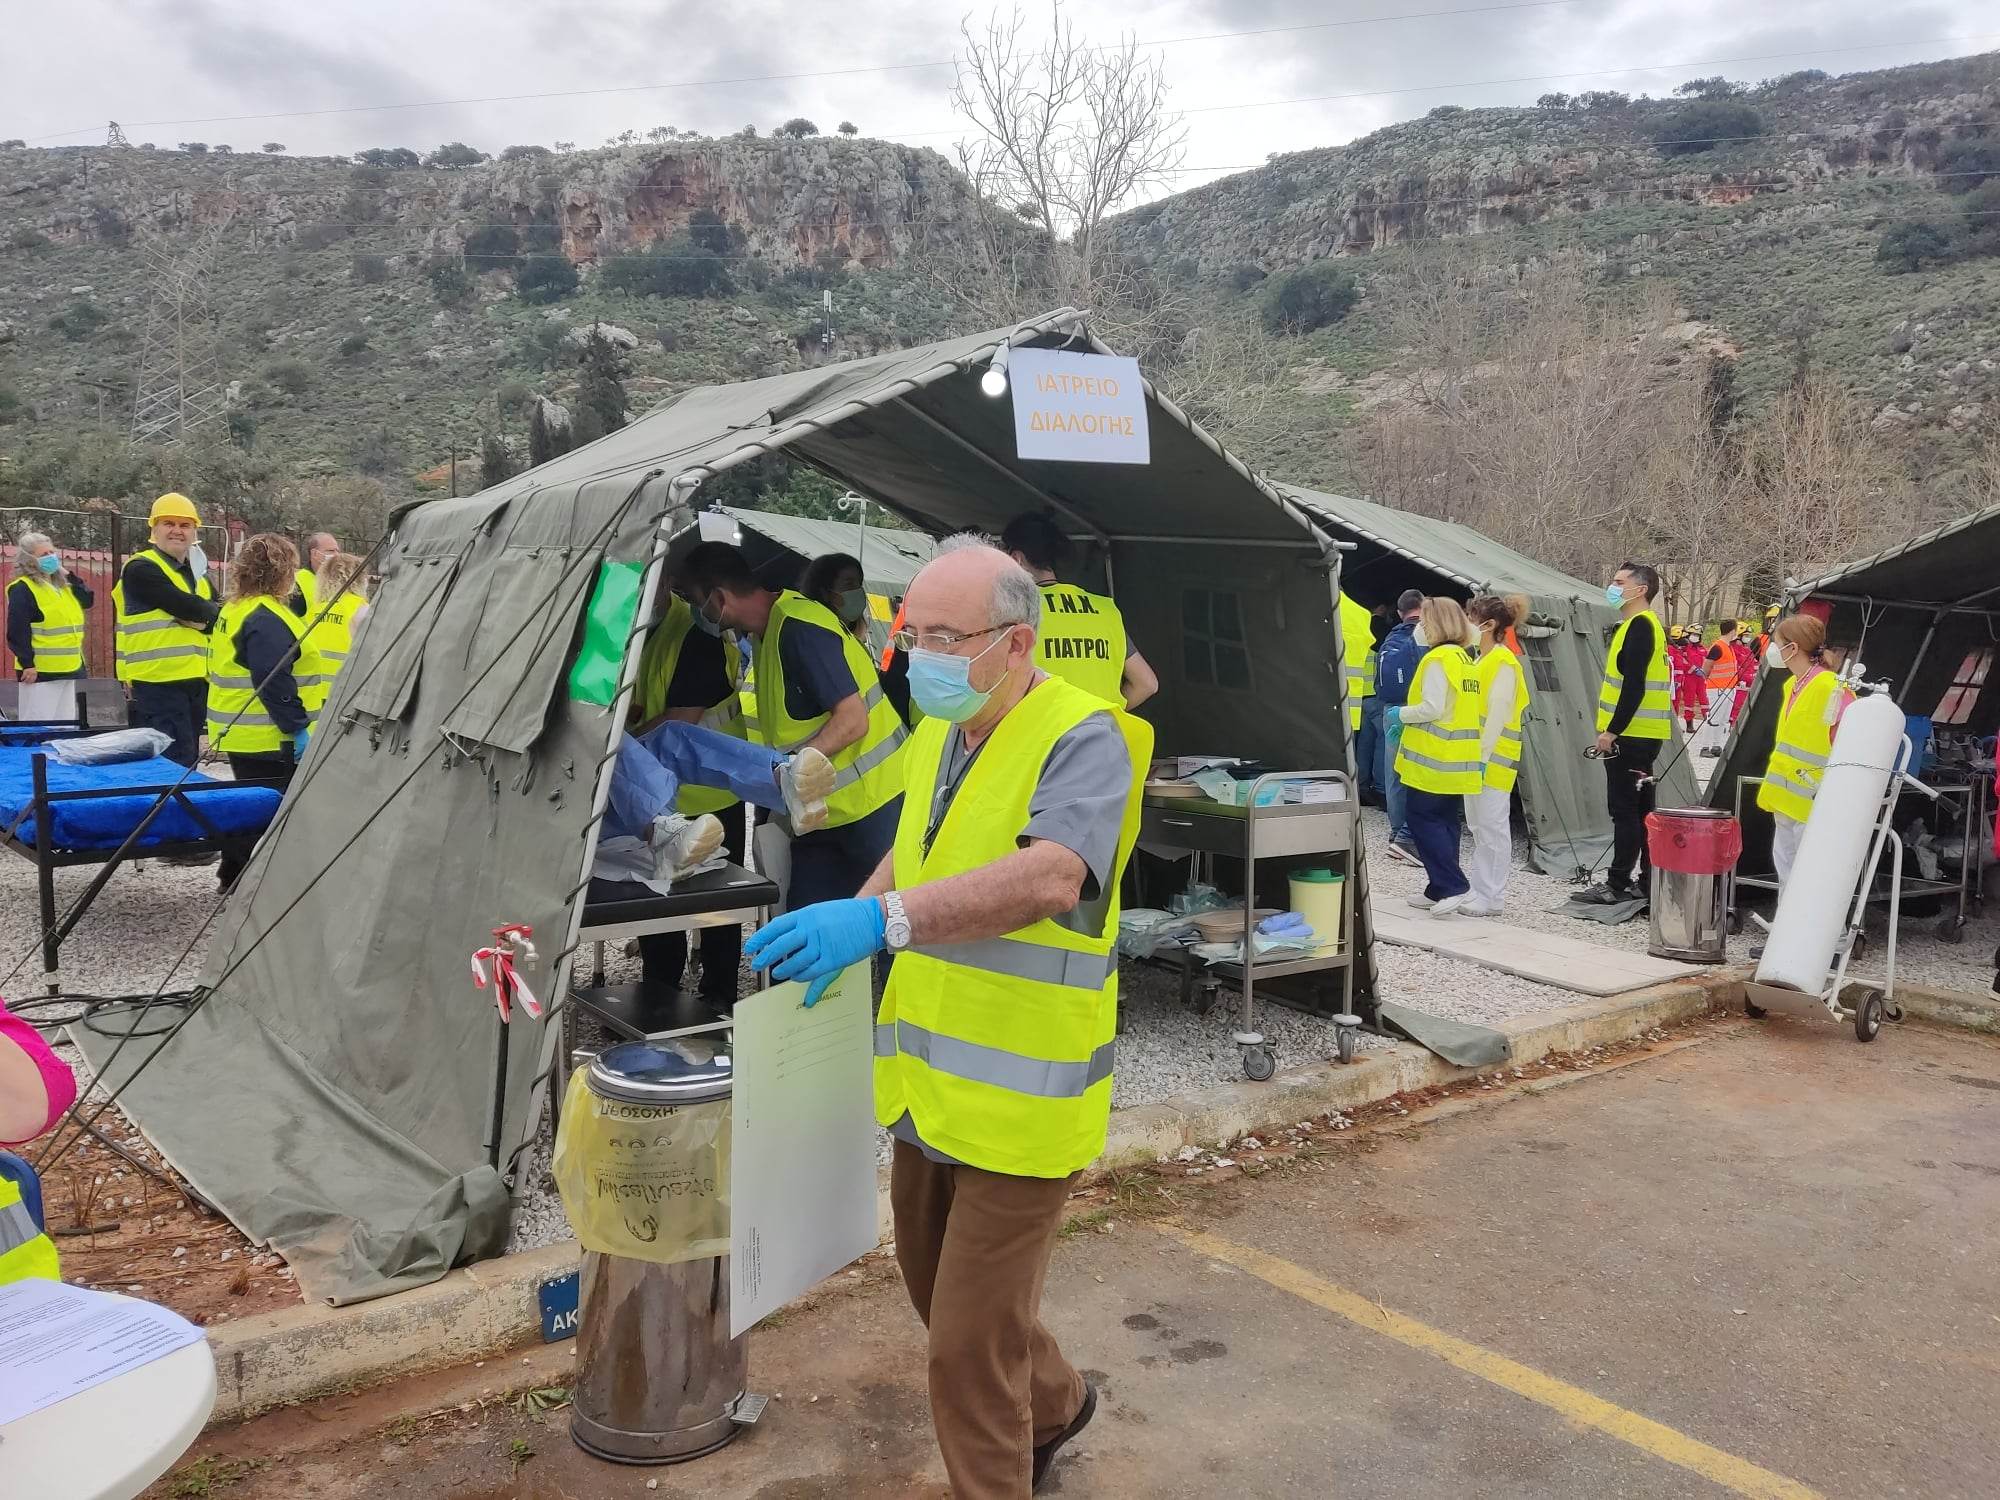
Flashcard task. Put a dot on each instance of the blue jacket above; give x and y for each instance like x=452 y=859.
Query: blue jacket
x=1397 y=663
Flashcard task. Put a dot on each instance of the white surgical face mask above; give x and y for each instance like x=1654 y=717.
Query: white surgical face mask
x=1774 y=655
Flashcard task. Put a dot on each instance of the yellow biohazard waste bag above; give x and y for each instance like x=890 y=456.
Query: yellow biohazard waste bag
x=646 y=1181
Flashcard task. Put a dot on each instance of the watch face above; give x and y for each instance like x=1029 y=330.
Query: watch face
x=898 y=933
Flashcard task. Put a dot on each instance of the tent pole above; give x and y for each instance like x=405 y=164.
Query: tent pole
x=1923 y=650
x=1019 y=480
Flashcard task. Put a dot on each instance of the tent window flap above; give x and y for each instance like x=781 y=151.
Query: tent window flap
x=1213 y=650
x=510 y=673
x=390 y=658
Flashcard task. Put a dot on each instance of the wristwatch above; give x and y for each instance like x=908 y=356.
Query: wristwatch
x=895 y=923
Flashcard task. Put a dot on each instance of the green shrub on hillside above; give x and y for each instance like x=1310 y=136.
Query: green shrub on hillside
x=678 y=268
x=1966 y=163
x=455 y=154
x=1311 y=297
x=492 y=247
x=1706 y=124
x=371 y=270
x=292 y=376
x=545 y=278
x=449 y=281
x=1914 y=243
x=79 y=320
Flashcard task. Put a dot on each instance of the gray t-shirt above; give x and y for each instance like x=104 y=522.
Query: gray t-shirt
x=1078 y=802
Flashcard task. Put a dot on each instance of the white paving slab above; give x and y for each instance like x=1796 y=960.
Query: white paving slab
x=1547 y=958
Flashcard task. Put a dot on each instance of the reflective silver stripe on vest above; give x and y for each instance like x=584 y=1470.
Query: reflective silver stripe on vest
x=869 y=760
x=326 y=655
x=1448 y=767
x=17 y=1227
x=244 y=682
x=1015 y=958
x=1804 y=757
x=162 y=653
x=246 y=720
x=1445 y=734
x=1802 y=788
x=1507 y=762
x=869 y=700
x=56 y=632
x=722 y=716
x=1665 y=716
x=1357 y=674
x=1006 y=1070
x=141 y=625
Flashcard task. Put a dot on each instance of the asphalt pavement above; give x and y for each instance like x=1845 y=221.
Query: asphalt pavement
x=1763 y=1264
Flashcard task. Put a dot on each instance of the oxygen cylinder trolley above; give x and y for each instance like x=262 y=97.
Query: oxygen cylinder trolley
x=1817 y=930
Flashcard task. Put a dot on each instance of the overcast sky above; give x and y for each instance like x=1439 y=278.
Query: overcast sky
x=151 y=63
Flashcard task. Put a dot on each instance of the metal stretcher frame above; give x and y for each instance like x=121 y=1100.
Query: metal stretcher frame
x=48 y=857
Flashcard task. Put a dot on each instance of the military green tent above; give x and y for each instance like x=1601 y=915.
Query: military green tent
x=333 y=1090
x=1922 y=616
x=1563 y=641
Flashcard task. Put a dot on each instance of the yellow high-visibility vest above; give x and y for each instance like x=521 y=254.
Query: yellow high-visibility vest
x=867 y=774
x=1655 y=716
x=308 y=586
x=1805 y=743
x=1443 y=757
x=232 y=693
x=1504 y=764
x=1082 y=639
x=657 y=663
x=1000 y=1050
x=24 y=1250
x=153 y=646
x=58 y=635
x=324 y=648
x=1357 y=652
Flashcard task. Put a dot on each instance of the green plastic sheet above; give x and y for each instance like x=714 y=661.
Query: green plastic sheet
x=607 y=626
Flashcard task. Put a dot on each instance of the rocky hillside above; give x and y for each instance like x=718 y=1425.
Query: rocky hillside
x=1769 y=231
x=373 y=317
x=795 y=202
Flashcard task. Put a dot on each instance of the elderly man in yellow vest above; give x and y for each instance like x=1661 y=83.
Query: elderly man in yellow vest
x=319 y=547
x=993 y=1044
x=46 y=606
x=1083 y=636
x=1635 y=716
x=164 y=610
x=816 y=686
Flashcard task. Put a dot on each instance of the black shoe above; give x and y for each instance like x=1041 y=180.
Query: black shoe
x=1601 y=895
x=1045 y=1454
x=1756 y=950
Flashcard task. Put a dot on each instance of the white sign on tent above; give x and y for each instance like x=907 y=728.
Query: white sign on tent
x=1078 y=408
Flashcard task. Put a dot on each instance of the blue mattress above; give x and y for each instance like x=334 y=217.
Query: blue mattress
x=104 y=822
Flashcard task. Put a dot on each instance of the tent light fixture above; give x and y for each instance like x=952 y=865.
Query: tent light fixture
x=994 y=381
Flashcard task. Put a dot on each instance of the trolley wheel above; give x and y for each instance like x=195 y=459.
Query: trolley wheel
x=1735 y=923
x=1859 y=951
x=1753 y=1010
x=1868 y=1016
x=1891 y=1011
x=1950 y=929
x=1344 y=1042
x=1259 y=1066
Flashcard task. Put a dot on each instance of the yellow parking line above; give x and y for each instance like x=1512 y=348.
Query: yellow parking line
x=1559 y=1396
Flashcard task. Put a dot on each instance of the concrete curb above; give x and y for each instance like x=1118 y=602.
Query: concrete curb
x=1949 y=1008
x=298 y=1353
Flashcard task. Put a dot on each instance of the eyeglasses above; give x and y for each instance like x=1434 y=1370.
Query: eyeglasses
x=941 y=640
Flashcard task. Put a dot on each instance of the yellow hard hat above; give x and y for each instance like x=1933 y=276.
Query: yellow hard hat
x=173 y=507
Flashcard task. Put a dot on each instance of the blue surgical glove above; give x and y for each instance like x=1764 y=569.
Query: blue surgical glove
x=1392 y=719
x=299 y=743
x=817 y=942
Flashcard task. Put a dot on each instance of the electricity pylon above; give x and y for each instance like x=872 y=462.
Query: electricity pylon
x=180 y=386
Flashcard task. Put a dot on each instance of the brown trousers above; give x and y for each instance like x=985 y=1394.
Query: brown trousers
x=974 y=1247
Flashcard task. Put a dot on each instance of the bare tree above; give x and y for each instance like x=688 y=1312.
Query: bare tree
x=1064 y=134
x=1826 y=488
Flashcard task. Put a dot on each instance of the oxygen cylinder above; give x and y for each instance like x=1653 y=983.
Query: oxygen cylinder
x=1813 y=911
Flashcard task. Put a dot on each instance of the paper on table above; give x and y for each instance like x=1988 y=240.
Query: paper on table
x=58 y=1341
x=802 y=1145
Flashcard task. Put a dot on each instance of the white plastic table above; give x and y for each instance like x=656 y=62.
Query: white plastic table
x=113 y=1440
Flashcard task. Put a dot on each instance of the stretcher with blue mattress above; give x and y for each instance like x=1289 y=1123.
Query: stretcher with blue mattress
x=59 y=815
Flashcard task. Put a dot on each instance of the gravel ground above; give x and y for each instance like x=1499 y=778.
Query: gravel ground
x=1532 y=899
